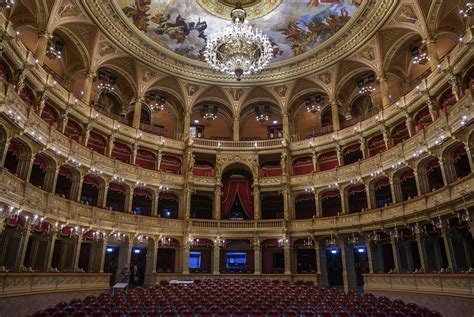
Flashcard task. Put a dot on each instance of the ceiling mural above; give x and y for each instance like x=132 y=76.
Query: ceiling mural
x=293 y=26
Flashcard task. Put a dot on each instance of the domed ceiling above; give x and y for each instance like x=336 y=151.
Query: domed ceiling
x=308 y=35
x=293 y=26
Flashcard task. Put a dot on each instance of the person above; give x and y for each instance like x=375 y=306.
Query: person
x=125 y=274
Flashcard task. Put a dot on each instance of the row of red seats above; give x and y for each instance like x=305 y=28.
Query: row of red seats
x=239 y=298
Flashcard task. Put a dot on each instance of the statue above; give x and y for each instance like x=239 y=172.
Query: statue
x=192 y=160
x=283 y=163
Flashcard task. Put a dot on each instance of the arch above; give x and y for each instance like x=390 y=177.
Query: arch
x=73 y=130
x=381 y=189
x=456 y=161
x=352 y=154
x=376 y=144
x=97 y=142
x=50 y=115
x=43 y=172
x=237 y=196
x=142 y=203
x=122 y=152
x=251 y=129
x=331 y=204
x=18 y=153
x=68 y=177
x=407 y=181
x=170 y=164
x=202 y=205
x=434 y=177
x=356 y=198
x=220 y=128
x=92 y=185
x=327 y=161
x=399 y=133
x=146 y=159
x=117 y=195
x=168 y=205
x=305 y=206
x=302 y=165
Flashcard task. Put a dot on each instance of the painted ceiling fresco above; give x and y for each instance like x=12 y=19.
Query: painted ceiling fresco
x=293 y=26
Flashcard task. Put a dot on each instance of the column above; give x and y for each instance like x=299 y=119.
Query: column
x=321 y=264
x=432 y=53
x=339 y=157
x=187 y=202
x=236 y=128
x=256 y=201
x=348 y=268
x=77 y=251
x=447 y=171
x=102 y=197
x=25 y=237
x=216 y=215
x=49 y=251
x=410 y=127
x=386 y=138
x=448 y=246
x=155 y=202
x=134 y=153
x=421 y=179
x=110 y=145
x=216 y=260
x=63 y=123
x=86 y=97
x=286 y=125
x=368 y=248
x=50 y=179
x=150 y=267
x=317 y=205
x=363 y=147
x=422 y=253
x=469 y=155
x=25 y=164
x=42 y=46
x=384 y=91
x=396 y=259
x=129 y=200
x=371 y=204
x=287 y=254
x=187 y=124
x=103 y=251
x=315 y=161
x=124 y=257
x=286 y=203
x=137 y=114
x=4 y=151
x=335 y=116
x=87 y=133
x=257 y=257
x=395 y=188
x=344 y=202
x=158 y=160
x=185 y=258
x=76 y=187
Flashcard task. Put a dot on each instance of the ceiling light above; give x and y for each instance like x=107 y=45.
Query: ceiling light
x=238 y=49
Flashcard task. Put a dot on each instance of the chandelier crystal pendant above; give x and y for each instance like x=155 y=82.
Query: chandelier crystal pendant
x=238 y=49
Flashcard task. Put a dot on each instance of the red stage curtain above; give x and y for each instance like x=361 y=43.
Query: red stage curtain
x=240 y=188
x=269 y=171
x=303 y=165
x=170 y=164
x=96 y=142
x=351 y=148
x=384 y=181
x=121 y=152
x=50 y=115
x=408 y=174
x=327 y=161
x=118 y=188
x=73 y=131
x=460 y=151
x=356 y=189
x=145 y=159
x=399 y=133
x=203 y=170
x=431 y=166
x=143 y=192
x=91 y=181
x=376 y=145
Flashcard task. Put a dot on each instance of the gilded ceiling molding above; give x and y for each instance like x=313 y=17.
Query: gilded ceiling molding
x=369 y=18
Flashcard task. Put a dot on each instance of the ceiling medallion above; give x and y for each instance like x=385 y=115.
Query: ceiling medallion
x=238 y=49
x=255 y=8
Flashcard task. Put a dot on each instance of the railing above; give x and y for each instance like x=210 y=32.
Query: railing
x=446 y=284
x=16 y=284
x=238 y=225
x=153 y=129
x=244 y=145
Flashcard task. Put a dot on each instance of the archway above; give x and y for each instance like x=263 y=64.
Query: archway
x=237 y=199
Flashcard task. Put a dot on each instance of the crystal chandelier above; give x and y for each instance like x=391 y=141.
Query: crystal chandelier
x=262 y=117
x=365 y=85
x=238 y=49
x=313 y=104
x=419 y=56
x=6 y=4
x=55 y=50
x=156 y=103
x=262 y=113
x=209 y=113
x=468 y=10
